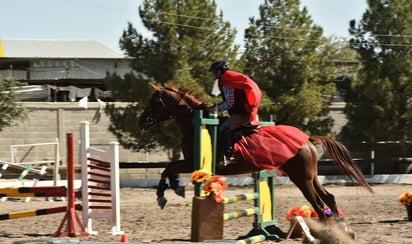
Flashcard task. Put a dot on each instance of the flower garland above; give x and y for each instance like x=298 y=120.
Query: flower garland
x=214 y=186
x=406 y=198
x=306 y=211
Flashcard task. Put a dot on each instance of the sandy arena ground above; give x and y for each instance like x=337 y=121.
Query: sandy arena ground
x=375 y=218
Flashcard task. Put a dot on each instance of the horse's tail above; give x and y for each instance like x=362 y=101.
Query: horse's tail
x=342 y=157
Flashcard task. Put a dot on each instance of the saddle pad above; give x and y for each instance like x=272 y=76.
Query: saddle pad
x=271 y=146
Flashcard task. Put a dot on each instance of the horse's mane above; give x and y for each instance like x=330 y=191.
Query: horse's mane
x=196 y=98
x=185 y=90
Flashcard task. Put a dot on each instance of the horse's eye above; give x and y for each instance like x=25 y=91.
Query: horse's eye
x=150 y=120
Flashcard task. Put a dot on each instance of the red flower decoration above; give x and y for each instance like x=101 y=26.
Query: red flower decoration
x=215 y=187
x=306 y=211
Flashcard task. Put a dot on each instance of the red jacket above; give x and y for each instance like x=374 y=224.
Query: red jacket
x=252 y=91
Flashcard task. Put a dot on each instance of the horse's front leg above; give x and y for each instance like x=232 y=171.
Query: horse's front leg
x=161 y=188
x=174 y=184
x=171 y=172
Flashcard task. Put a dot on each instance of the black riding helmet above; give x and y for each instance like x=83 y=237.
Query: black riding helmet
x=219 y=65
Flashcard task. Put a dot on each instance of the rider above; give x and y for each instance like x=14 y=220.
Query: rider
x=241 y=98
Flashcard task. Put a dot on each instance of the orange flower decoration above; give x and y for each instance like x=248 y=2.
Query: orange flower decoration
x=215 y=187
x=293 y=212
x=406 y=198
x=200 y=176
x=306 y=211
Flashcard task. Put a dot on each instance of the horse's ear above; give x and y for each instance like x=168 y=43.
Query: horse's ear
x=154 y=87
x=167 y=85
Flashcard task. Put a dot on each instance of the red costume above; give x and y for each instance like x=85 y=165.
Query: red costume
x=249 y=103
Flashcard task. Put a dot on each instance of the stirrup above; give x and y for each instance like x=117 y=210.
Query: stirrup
x=227 y=161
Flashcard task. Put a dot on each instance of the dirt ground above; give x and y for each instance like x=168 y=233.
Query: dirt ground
x=375 y=218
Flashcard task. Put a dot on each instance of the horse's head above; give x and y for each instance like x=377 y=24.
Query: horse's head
x=165 y=103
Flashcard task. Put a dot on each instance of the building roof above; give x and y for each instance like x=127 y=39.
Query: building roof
x=59 y=49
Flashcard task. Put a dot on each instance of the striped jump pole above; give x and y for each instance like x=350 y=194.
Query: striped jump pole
x=36 y=212
x=244 y=212
x=100 y=182
x=252 y=239
x=38 y=191
x=241 y=197
x=241 y=213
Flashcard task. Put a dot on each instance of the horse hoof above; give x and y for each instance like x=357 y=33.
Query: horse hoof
x=161 y=201
x=180 y=191
x=346 y=229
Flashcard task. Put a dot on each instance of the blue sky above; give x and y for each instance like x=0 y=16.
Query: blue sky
x=105 y=20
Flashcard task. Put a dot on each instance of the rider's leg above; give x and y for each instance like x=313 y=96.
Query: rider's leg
x=232 y=123
x=227 y=145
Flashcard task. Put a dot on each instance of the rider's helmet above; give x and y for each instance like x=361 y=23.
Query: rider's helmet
x=219 y=65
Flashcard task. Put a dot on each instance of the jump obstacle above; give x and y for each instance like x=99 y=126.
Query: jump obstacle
x=265 y=223
x=103 y=164
x=25 y=170
x=100 y=182
x=27 y=163
x=70 y=220
x=27 y=159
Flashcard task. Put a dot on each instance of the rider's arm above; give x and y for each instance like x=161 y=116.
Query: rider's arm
x=228 y=99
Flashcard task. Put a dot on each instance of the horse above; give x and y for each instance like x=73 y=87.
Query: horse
x=301 y=166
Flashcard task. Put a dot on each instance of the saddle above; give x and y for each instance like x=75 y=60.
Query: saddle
x=244 y=130
x=228 y=139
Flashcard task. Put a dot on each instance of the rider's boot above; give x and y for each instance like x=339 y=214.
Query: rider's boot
x=227 y=148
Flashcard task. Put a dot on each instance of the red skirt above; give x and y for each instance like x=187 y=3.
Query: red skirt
x=271 y=146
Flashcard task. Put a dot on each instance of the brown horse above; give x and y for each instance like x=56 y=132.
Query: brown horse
x=302 y=168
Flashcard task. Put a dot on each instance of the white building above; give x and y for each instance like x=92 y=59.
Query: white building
x=60 y=70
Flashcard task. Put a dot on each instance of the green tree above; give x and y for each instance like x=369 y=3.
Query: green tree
x=287 y=55
x=10 y=110
x=187 y=36
x=131 y=89
x=379 y=105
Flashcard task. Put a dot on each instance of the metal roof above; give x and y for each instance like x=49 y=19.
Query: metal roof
x=77 y=49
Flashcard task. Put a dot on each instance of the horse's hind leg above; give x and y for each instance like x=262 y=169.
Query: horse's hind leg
x=304 y=181
x=327 y=197
x=309 y=192
x=302 y=171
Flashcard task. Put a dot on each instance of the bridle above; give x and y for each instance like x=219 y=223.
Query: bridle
x=159 y=98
